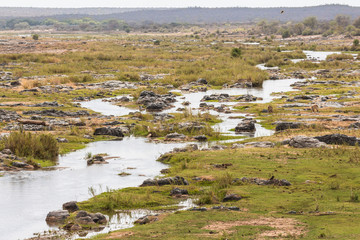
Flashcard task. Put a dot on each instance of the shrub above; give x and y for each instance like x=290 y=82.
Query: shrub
x=35 y=36
x=39 y=146
x=236 y=52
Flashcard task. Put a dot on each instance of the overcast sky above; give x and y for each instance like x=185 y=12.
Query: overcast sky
x=172 y=3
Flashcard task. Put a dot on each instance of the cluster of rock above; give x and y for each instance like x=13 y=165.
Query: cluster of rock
x=8 y=116
x=259 y=181
x=11 y=162
x=117 y=131
x=150 y=77
x=112 y=84
x=321 y=141
x=6 y=76
x=280 y=126
x=165 y=181
x=155 y=102
x=57 y=113
x=97 y=159
x=226 y=97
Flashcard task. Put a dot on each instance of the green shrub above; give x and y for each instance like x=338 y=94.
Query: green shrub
x=38 y=146
x=236 y=52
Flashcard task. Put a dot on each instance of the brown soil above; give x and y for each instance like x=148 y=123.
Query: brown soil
x=283 y=227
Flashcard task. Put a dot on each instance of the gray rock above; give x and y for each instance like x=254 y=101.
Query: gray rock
x=232 y=197
x=57 y=216
x=178 y=191
x=247 y=125
x=70 y=206
x=287 y=125
x=165 y=181
x=305 y=142
x=109 y=131
x=339 y=139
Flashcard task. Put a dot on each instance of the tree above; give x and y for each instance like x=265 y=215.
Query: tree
x=310 y=22
x=342 y=20
x=298 y=28
x=285 y=34
x=357 y=23
x=356 y=42
x=35 y=37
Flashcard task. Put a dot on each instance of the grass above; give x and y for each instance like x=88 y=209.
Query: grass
x=322 y=167
x=38 y=146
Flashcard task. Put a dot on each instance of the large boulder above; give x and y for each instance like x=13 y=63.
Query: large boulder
x=287 y=125
x=57 y=217
x=70 y=206
x=165 y=181
x=117 y=132
x=305 y=142
x=340 y=139
x=247 y=125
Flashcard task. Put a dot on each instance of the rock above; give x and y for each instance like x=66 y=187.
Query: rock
x=165 y=181
x=271 y=181
x=198 y=209
x=99 y=218
x=232 y=197
x=201 y=138
x=87 y=220
x=109 y=131
x=202 y=81
x=57 y=113
x=7 y=151
x=355 y=125
x=57 y=216
x=82 y=213
x=339 y=139
x=305 y=142
x=142 y=220
x=70 y=206
x=178 y=191
x=175 y=136
x=237 y=145
x=260 y=144
x=247 y=98
x=287 y=125
x=62 y=140
x=96 y=160
x=247 y=125
x=19 y=164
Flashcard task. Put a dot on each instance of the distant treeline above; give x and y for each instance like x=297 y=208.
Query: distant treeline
x=185 y=15
x=341 y=24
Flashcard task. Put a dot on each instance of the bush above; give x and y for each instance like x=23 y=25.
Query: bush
x=35 y=36
x=236 y=52
x=38 y=146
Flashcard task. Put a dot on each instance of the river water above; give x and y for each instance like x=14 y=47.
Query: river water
x=26 y=197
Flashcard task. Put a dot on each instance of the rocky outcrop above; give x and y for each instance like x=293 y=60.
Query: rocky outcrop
x=155 y=102
x=339 y=139
x=8 y=116
x=271 y=181
x=57 y=113
x=287 y=125
x=306 y=142
x=165 y=181
x=117 y=132
x=85 y=218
